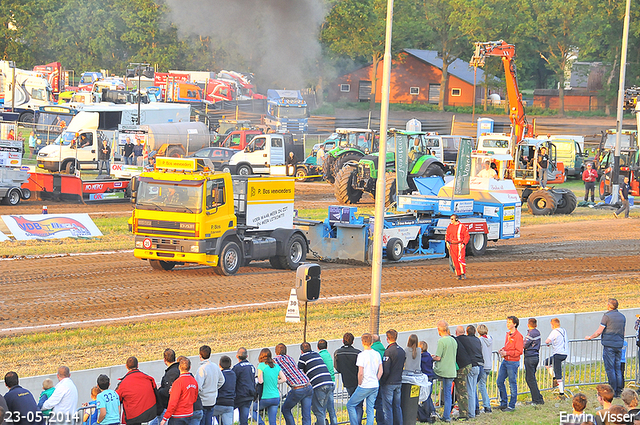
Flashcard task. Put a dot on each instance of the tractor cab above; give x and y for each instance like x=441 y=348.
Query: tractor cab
x=483 y=161
x=360 y=139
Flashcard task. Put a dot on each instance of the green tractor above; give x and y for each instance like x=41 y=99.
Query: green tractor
x=356 y=178
x=351 y=145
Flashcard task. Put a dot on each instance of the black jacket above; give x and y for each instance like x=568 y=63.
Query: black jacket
x=392 y=365
x=245 y=382
x=170 y=374
x=473 y=347
x=344 y=361
x=463 y=359
x=104 y=155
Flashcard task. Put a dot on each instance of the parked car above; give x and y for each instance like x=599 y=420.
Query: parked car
x=219 y=156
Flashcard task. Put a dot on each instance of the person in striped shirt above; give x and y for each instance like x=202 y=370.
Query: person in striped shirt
x=301 y=390
x=316 y=370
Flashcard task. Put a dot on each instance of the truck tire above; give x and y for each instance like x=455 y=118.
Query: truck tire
x=26 y=194
x=295 y=253
x=162 y=265
x=175 y=152
x=26 y=117
x=390 y=195
x=477 y=244
x=226 y=169
x=13 y=197
x=229 y=260
x=301 y=174
x=567 y=204
x=395 y=250
x=244 y=170
x=70 y=167
x=541 y=202
x=343 y=186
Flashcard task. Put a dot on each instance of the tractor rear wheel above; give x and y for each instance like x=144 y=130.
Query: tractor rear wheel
x=343 y=186
x=541 y=202
x=390 y=193
x=567 y=203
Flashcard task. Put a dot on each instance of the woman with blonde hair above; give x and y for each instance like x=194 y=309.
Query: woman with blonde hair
x=270 y=376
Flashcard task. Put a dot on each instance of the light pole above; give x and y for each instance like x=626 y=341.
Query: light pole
x=139 y=71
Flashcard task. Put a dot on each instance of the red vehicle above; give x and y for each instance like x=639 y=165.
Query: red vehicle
x=239 y=139
x=53 y=73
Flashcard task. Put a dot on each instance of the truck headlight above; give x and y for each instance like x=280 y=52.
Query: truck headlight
x=195 y=248
x=139 y=244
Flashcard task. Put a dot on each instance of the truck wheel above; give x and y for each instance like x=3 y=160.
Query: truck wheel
x=26 y=117
x=567 y=204
x=26 y=194
x=541 y=202
x=226 y=169
x=390 y=193
x=275 y=262
x=70 y=167
x=161 y=265
x=477 y=244
x=395 y=250
x=343 y=187
x=13 y=197
x=175 y=152
x=244 y=170
x=301 y=175
x=229 y=259
x=296 y=253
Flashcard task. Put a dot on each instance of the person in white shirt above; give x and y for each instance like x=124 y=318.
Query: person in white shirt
x=487 y=172
x=210 y=379
x=64 y=400
x=559 y=341
x=369 y=364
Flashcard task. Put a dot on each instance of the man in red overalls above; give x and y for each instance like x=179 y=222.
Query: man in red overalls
x=457 y=239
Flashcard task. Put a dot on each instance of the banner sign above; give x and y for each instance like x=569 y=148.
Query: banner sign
x=51 y=226
x=3 y=237
x=463 y=167
x=402 y=162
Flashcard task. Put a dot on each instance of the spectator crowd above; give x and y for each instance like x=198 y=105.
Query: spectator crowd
x=372 y=377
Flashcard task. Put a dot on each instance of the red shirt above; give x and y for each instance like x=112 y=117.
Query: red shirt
x=183 y=393
x=514 y=346
x=589 y=175
x=457 y=233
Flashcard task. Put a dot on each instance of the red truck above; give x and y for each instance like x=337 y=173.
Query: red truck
x=239 y=139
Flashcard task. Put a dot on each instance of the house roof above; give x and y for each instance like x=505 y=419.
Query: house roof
x=459 y=68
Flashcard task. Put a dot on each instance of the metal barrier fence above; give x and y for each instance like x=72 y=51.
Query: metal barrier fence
x=583 y=366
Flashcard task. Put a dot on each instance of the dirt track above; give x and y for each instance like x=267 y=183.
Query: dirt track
x=41 y=291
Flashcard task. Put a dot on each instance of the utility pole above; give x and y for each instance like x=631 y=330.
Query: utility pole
x=615 y=175
x=376 y=267
x=139 y=71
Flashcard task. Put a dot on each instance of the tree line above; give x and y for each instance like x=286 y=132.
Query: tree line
x=548 y=34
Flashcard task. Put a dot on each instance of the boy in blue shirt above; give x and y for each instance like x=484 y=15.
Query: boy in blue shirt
x=107 y=403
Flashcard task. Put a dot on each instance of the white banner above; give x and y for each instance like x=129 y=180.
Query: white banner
x=3 y=237
x=51 y=226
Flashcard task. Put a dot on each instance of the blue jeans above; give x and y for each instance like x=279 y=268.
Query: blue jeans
x=482 y=389
x=104 y=163
x=359 y=410
x=224 y=414
x=360 y=394
x=472 y=382
x=243 y=412
x=196 y=418
x=321 y=397
x=302 y=396
x=508 y=369
x=207 y=417
x=157 y=419
x=447 y=383
x=611 y=358
x=544 y=173
x=271 y=405
x=391 y=404
x=331 y=410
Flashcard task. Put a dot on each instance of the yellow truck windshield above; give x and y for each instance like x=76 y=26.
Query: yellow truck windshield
x=169 y=196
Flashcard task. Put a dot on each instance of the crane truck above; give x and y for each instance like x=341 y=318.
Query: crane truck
x=524 y=149
x=185 y=213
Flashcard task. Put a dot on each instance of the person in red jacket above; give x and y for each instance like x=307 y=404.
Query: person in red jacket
x=457 y=239
x=182 y=396
x=510 y=353
x=137 y=392
x=589 y=176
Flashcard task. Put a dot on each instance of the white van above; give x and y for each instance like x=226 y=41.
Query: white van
x=77 y=147
x=266 y=154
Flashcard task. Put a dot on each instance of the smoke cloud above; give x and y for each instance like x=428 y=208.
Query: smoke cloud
x=277 y=40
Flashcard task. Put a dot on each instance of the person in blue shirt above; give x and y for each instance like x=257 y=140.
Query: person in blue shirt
x=90 y=416
x=22 y=407
x=107 y=403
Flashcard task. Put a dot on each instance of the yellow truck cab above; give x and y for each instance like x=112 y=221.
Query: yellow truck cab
x=187 y=213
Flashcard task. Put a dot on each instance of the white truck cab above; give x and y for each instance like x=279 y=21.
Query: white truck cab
x=497 y=143
x=266 y=154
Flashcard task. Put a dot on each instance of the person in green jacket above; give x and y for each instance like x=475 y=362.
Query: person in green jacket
x=328 y=360
x=47 y=389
